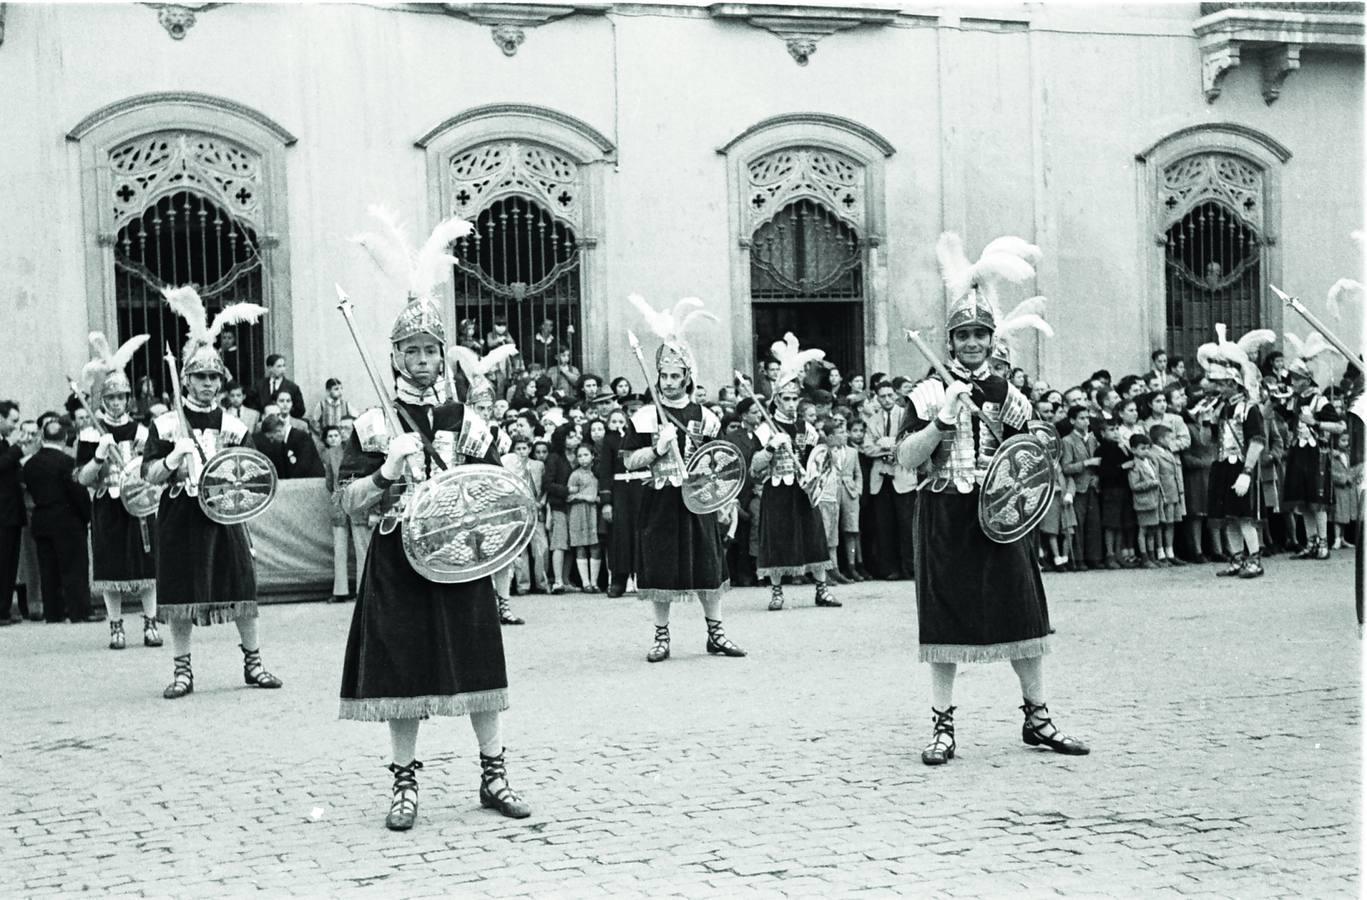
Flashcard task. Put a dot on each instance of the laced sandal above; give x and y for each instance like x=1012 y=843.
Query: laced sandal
x=183 y=681
x=1037 y=723
x=505 y=799
x=1252 y=566
x=824 y=596
x=117 y=640
x=150 y=637
x=775 y=596
x=718 y=642
x=403 y=809
x=505 y=614
x=660 y=651
x=941 y=750
x=1321 y=549
x=254 y=673
x=1236 y=565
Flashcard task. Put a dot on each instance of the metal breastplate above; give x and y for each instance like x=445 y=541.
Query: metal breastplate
x=113 y=476
x=209 y=441
x=956 y=463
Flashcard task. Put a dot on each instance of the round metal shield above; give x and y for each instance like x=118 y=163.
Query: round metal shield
x=715 y=476
x=1017 y=489
x=1047 y=435
x=139 y=497
x=467 y=522
x=237 y=484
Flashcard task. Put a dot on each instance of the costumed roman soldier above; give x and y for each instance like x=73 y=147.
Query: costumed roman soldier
x=680 y=554
x=480 y=398
x=977 y=600
x=123 y=561
x=1309 y=487
x=417 y=647
x=792 y=537
x=1240 y=436
x=205 y=572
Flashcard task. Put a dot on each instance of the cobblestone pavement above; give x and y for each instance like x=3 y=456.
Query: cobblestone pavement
x=1224 y=718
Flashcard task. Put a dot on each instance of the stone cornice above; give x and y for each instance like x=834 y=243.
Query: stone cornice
x=498 y=110
x=206 y=101
x=801 y=27
x=848 y=125
x=521 y=15
x=1276 y=35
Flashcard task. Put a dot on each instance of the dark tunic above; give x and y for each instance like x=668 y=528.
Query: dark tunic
x=1231 y=444
x=122 y=547
x=679 y=554
x=418 y=648
x=1308 y=477
x=792 y=536
x=205 y=572
x=976 y=600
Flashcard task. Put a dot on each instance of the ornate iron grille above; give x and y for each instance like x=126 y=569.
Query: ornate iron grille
x=1214 y=274
x=807 y=276
x=522 y=264
x=185 y=238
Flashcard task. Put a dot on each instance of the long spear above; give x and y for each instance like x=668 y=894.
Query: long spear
x=1319 y=326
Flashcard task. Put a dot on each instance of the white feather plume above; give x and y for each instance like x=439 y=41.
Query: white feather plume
x=92 y=373
x=120 y=358
x=1342 y=290
x=1027 y=314
x=1015 y=246
x=186 y=303
x=475 y=366
x=418 y=270
x=235 y=314
x=1256 y=339
x=949 y=250
x=660 y=322
x=100 y=345
x=1295 y=345
x=434 y=263
x=792 y=359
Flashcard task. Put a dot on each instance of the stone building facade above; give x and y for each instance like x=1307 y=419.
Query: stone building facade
x=792 y=165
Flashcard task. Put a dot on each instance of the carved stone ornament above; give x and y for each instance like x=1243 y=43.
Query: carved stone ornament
x=1278 y=63
x=801 y=49
x=509 y=38
x=179 y=18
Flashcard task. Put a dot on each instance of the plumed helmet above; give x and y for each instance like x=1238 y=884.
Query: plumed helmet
x=200 y=356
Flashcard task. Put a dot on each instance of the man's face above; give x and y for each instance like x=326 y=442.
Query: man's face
x=335 y=392
x=28 y=435
x=227 y=341
x=500 y=408
x=1136 y=388
x=236 y=397
x=485 y=409
x=9 y=423
x=771 y=370
x=81 y=418
x=699 y=394
x=838 y=438
x=1154 y=381
x=1074 y=397
x=421 y=356
x=523 y=449
x=590 y=388
x=672 y=382
x=971 y=344
x=1045 y=410
x=887 y=397
x=1160 y=362
x=285 y=401
x=787 y=402
x=1082 y=421
x=752 y=416
x=856 y=384
x=114 y=404
x=563 y=358
x=204 y=387
x=277 y=368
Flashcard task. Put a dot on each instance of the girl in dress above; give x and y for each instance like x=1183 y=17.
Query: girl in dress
x=583 y=517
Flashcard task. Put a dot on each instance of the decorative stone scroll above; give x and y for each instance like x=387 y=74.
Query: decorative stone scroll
x=1222 y=177
x=832 y=179
x=484 y=173
x=152 y=166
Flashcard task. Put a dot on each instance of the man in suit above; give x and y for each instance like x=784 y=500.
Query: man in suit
x=234 y=404
x=1080 y=463
x=892 y=490
x=12 y=515
x=61 y=520
x=290 y=448
x=274 y=382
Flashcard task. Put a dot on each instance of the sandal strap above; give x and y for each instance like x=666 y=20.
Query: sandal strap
x=944 y=720
x=1039 y=725
x=255 y=669
x=182 y=667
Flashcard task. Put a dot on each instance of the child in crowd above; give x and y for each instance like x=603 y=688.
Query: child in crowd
x=1347 y=495
x=837 y=465
x=529 y=568
x=565 y=440
x=333 y=407
x=583 y=517
x=1174 y=508
x=1117 y=508
x=1127 y=414
x=854 y=560
x=1079 y=464
x=1147 y=497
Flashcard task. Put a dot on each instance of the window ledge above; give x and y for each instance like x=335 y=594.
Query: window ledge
x=1277 y=33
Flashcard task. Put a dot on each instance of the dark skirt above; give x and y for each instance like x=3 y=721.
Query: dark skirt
x=1117 y=509
x=976 y=600
x=1308 y=476
x=679 y=555
x=626 y=509
x=418 y=648
x=1223 y=502
x=1196 y=490
x=120 y=563
x=792 y=537
x=205 y=571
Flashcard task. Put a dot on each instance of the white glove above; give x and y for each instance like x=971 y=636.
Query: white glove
x=104 y=446
x=954 y=394
x=780 y=440
x=180 y=452
x=667 y=435
x=1241 y=484
x=400 y=448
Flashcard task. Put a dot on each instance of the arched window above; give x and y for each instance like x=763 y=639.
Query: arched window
x=185 y=188
x=1213 y=249
x=186 y=211
x=808 y=215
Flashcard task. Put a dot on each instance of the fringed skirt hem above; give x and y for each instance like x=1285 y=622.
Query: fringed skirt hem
x=663 y=595
x=796 y=571
x=123 y=587
x=383 y=709
x=206 y=613
x=970 y=653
